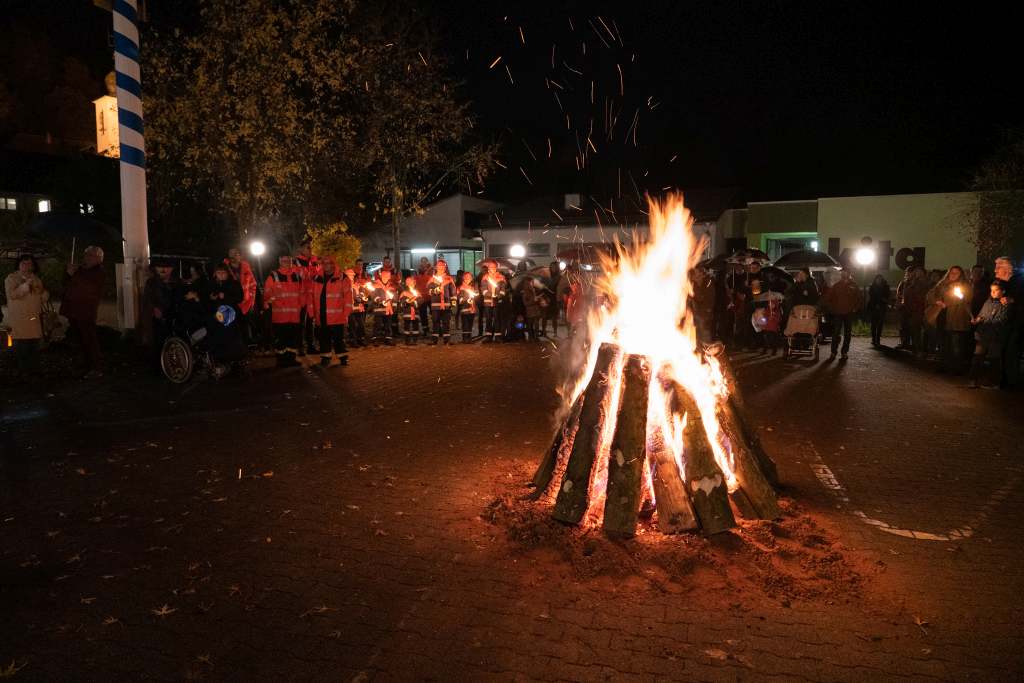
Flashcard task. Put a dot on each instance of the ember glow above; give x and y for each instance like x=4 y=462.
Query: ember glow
x=642 y=311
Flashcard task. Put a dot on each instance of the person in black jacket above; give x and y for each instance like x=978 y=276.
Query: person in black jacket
x=878 y=304
x=224 y=332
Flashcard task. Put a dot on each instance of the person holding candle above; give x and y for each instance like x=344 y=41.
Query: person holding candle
x=25 y=298
x=441 y=290
x=494 y=289
x=384 y=308
x=952 y=298
x=360 y=298
x=467 y=302
x=410 y=301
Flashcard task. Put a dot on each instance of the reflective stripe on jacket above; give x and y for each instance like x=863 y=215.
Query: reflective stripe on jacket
x=339 y=299
x=284 y=295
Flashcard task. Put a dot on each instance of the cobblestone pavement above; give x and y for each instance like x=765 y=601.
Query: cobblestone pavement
x=326 y=525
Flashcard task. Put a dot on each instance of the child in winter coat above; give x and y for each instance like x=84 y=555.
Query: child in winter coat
x=988 y=336
x=410 y=301
x=467 y=305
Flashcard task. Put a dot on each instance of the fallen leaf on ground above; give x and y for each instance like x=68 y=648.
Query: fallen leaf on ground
x=717 y=654
x=164 y=611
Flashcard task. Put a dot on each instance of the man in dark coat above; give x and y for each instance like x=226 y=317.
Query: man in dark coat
x=83 y=288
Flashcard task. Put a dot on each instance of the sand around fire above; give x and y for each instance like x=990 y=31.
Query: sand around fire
x=789 y=559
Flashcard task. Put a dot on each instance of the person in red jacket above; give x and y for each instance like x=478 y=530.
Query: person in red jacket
x=83 y=288
x=385 y=308
x=329 y=304
x=241 y=272
x=423 y=275
x=284 y=293
x=309 y=266
x=442 y=298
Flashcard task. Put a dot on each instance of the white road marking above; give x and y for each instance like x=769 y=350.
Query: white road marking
x=828 y=479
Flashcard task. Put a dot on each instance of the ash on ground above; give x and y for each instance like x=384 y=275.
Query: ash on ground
x=792 y=558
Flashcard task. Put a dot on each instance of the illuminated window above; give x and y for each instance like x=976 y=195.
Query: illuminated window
x=44 y=205
x=10 y=203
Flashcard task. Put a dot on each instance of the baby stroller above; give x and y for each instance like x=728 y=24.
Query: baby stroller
x=802 y=332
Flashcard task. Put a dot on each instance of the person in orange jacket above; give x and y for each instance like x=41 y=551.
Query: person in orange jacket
x=442 y=297
x=360 y=300
x=284 y=293
x=329 y=304
x=309 y=266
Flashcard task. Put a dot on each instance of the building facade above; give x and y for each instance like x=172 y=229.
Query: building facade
x=890 y=231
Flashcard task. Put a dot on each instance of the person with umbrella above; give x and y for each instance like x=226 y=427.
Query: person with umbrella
x=83 y=288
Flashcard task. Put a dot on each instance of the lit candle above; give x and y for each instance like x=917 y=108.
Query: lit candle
x=958 y=292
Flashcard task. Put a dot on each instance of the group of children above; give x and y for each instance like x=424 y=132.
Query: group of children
x=335 y=305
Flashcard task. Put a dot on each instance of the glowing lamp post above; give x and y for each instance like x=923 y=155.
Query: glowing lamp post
x=517 y=251
x=258 y=249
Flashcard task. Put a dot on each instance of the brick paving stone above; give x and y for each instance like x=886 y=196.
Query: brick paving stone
x=128 y=492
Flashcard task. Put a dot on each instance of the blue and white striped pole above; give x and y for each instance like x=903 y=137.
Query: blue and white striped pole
x=133 y=154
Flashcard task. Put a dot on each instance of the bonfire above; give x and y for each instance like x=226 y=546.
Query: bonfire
x=652 y=424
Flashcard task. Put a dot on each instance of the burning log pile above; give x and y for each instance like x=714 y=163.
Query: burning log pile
x=655 y=422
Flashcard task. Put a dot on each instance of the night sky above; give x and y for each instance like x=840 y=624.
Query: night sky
x=781 y=100
x=776 y=100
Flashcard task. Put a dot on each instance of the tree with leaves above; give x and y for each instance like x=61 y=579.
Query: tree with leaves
x=241 y=111
x=335 y=241
x=414 y=135
x=999 y=225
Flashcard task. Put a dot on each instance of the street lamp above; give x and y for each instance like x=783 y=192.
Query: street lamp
x=517 y=251
x=865 y=256
x=258 y=249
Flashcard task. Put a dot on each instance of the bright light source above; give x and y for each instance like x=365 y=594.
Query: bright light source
x=257 y=248
x=865 y=256
x=561 y=265
x=587 y=266
x=814 y=246
x=517 y=251
x=424 y=250
x=44 y=205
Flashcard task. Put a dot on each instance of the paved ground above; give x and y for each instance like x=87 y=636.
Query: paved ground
x=327 y=525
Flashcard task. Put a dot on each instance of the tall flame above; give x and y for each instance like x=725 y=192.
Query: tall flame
x=641 y=307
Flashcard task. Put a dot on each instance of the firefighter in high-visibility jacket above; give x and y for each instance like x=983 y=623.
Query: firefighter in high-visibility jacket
x=409 y=311
x=493 y=291
x=329 y=304
x=442 y=300
x=360 y=299
x=467 y=304
x=284 y=293
x=385 y=308
x=309 y=266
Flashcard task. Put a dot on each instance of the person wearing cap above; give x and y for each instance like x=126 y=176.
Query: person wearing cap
x=442 y=299
x=360 y=299
x=284 y=293
x=410 y=302
x=493 y=290
x=329 y=304
x=384 y=299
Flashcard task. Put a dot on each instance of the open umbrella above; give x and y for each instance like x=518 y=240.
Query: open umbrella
x=747 y=256
x=777 y=272
x=806 y=258
x=61 y=225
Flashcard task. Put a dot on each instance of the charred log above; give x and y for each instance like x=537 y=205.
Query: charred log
x=628 y=452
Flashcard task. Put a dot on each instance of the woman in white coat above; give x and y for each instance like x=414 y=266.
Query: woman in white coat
x=25 y=297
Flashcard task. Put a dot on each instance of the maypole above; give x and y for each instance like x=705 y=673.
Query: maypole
x=134 y=227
